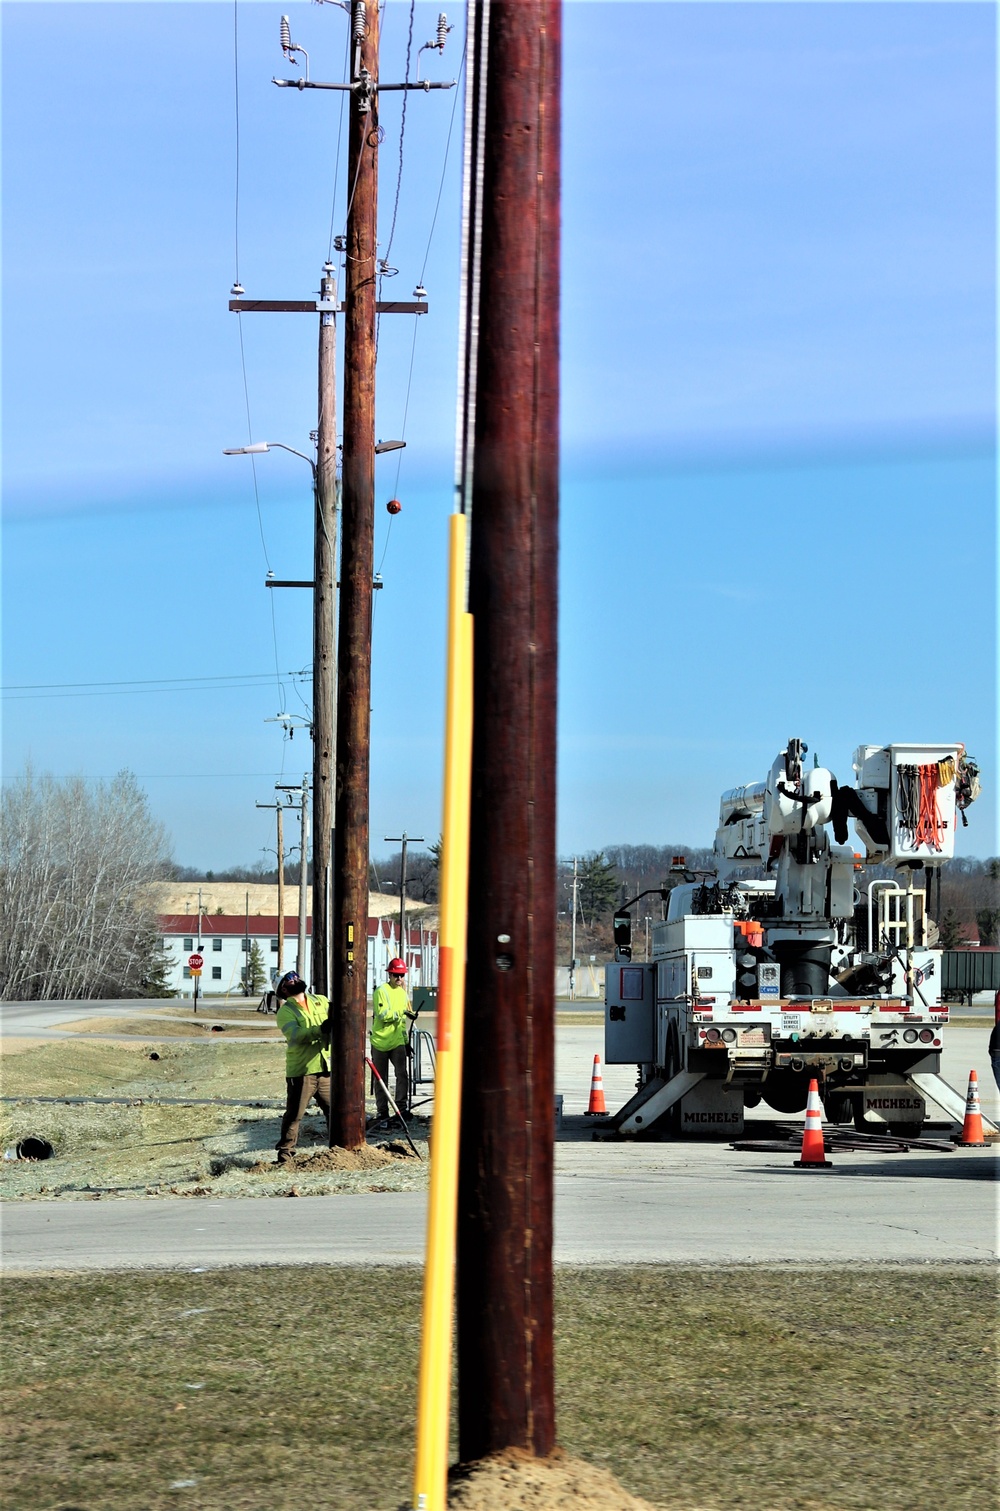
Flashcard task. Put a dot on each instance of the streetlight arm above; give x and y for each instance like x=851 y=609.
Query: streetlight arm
x=308 y=459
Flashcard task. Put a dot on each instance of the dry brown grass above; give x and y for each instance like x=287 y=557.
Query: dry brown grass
x=746 y=1389
x=155 y=1029
x=144 y=1144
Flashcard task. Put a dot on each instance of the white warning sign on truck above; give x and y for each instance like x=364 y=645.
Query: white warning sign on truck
x=768 y=979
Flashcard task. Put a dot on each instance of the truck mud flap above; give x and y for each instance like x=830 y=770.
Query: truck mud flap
x=655 y=1098
x=936 y=1089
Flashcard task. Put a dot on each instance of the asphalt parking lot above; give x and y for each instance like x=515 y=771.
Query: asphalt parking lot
x=615 y=1202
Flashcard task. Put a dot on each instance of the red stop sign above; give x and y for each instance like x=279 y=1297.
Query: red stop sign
x=195 y=962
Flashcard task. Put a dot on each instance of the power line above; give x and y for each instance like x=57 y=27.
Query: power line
x=243 y=360
x=402 y=134
x=340 y=132
x=236 y=91
x=423 y=269
x=444 y=165
x=141 y=690
x=155 y=776
x=22 y=687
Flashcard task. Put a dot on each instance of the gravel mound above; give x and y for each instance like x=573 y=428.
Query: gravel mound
x=514 y=1481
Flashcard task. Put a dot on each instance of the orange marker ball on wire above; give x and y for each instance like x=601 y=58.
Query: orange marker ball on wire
x=393 y=506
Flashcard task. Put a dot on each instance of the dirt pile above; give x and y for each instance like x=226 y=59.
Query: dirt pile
x=368 y=1157
x=515 y=1481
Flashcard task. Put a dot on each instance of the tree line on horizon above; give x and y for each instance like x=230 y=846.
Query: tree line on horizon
x=970 y=894
x=77 y=859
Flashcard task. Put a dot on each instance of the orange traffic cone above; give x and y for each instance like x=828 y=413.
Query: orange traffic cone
x=597 y=1107
x=972 y=1128
x=813 y=1151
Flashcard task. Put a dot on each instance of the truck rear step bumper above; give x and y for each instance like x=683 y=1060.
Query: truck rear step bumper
x=652 y=1101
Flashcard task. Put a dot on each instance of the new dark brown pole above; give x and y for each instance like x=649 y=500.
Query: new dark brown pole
x=324 y=637
x=350 y=931
x=505 y=1359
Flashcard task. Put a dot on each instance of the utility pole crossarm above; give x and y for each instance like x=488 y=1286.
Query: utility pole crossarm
x=423 y=84
x=323 y=306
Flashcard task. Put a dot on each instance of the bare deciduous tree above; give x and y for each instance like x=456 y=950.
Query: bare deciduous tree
x=76 y=858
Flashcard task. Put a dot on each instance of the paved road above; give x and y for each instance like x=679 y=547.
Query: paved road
x=615 y=1203
x=29 y=1020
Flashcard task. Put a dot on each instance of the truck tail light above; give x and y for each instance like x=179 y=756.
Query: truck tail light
x=713 y=1036
x=909 y=1036
x=926 y=1035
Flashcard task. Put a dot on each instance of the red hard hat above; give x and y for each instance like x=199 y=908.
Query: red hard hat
x=396 y=967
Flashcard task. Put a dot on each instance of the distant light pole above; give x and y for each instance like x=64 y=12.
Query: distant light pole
x=403 y=840
x=572 y=947
x=302 y=792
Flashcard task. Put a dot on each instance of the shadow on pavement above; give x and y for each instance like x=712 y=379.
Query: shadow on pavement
x=943 y=1167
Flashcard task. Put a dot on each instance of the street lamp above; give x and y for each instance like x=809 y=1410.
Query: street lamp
x=259 y=446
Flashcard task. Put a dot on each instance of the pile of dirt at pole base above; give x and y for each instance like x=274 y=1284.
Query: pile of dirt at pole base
x=368 y=1157
x=514 y=1481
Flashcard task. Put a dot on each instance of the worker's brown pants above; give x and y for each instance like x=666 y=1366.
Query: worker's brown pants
x=382 y=1059
x=300 y=1091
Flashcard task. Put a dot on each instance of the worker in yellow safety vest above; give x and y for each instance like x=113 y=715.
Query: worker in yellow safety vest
x=304 y=1020
x=391 y=1017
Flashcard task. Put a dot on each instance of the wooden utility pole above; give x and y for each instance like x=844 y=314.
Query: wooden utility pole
x=350 y=934
x=505 y=1352
x=340 y=950
x=324 y=637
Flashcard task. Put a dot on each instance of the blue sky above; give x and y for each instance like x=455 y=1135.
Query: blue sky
x=778 y=496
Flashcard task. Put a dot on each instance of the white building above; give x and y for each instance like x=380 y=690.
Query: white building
x=225 y=946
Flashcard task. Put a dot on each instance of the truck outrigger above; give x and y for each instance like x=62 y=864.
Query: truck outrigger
x=774 y=968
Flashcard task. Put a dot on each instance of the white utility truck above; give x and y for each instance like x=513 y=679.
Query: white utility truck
x=775 y=968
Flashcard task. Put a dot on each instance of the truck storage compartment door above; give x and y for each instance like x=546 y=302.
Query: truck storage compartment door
x=628 y=1013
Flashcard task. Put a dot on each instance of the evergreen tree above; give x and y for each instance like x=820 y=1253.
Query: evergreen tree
x=256 y=973
x=949 y=930
x=597 y=885
x=988 y=920
x=155 y=979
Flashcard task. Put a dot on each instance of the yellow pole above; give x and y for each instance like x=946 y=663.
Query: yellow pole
x=434 y=1385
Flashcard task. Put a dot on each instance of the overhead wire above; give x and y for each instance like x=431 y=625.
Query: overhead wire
x=423 y=267
x=340 y=133
x=243 y=360
x=124 y=692
x=142 y=681
x=383 y=265
x=236 y=96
